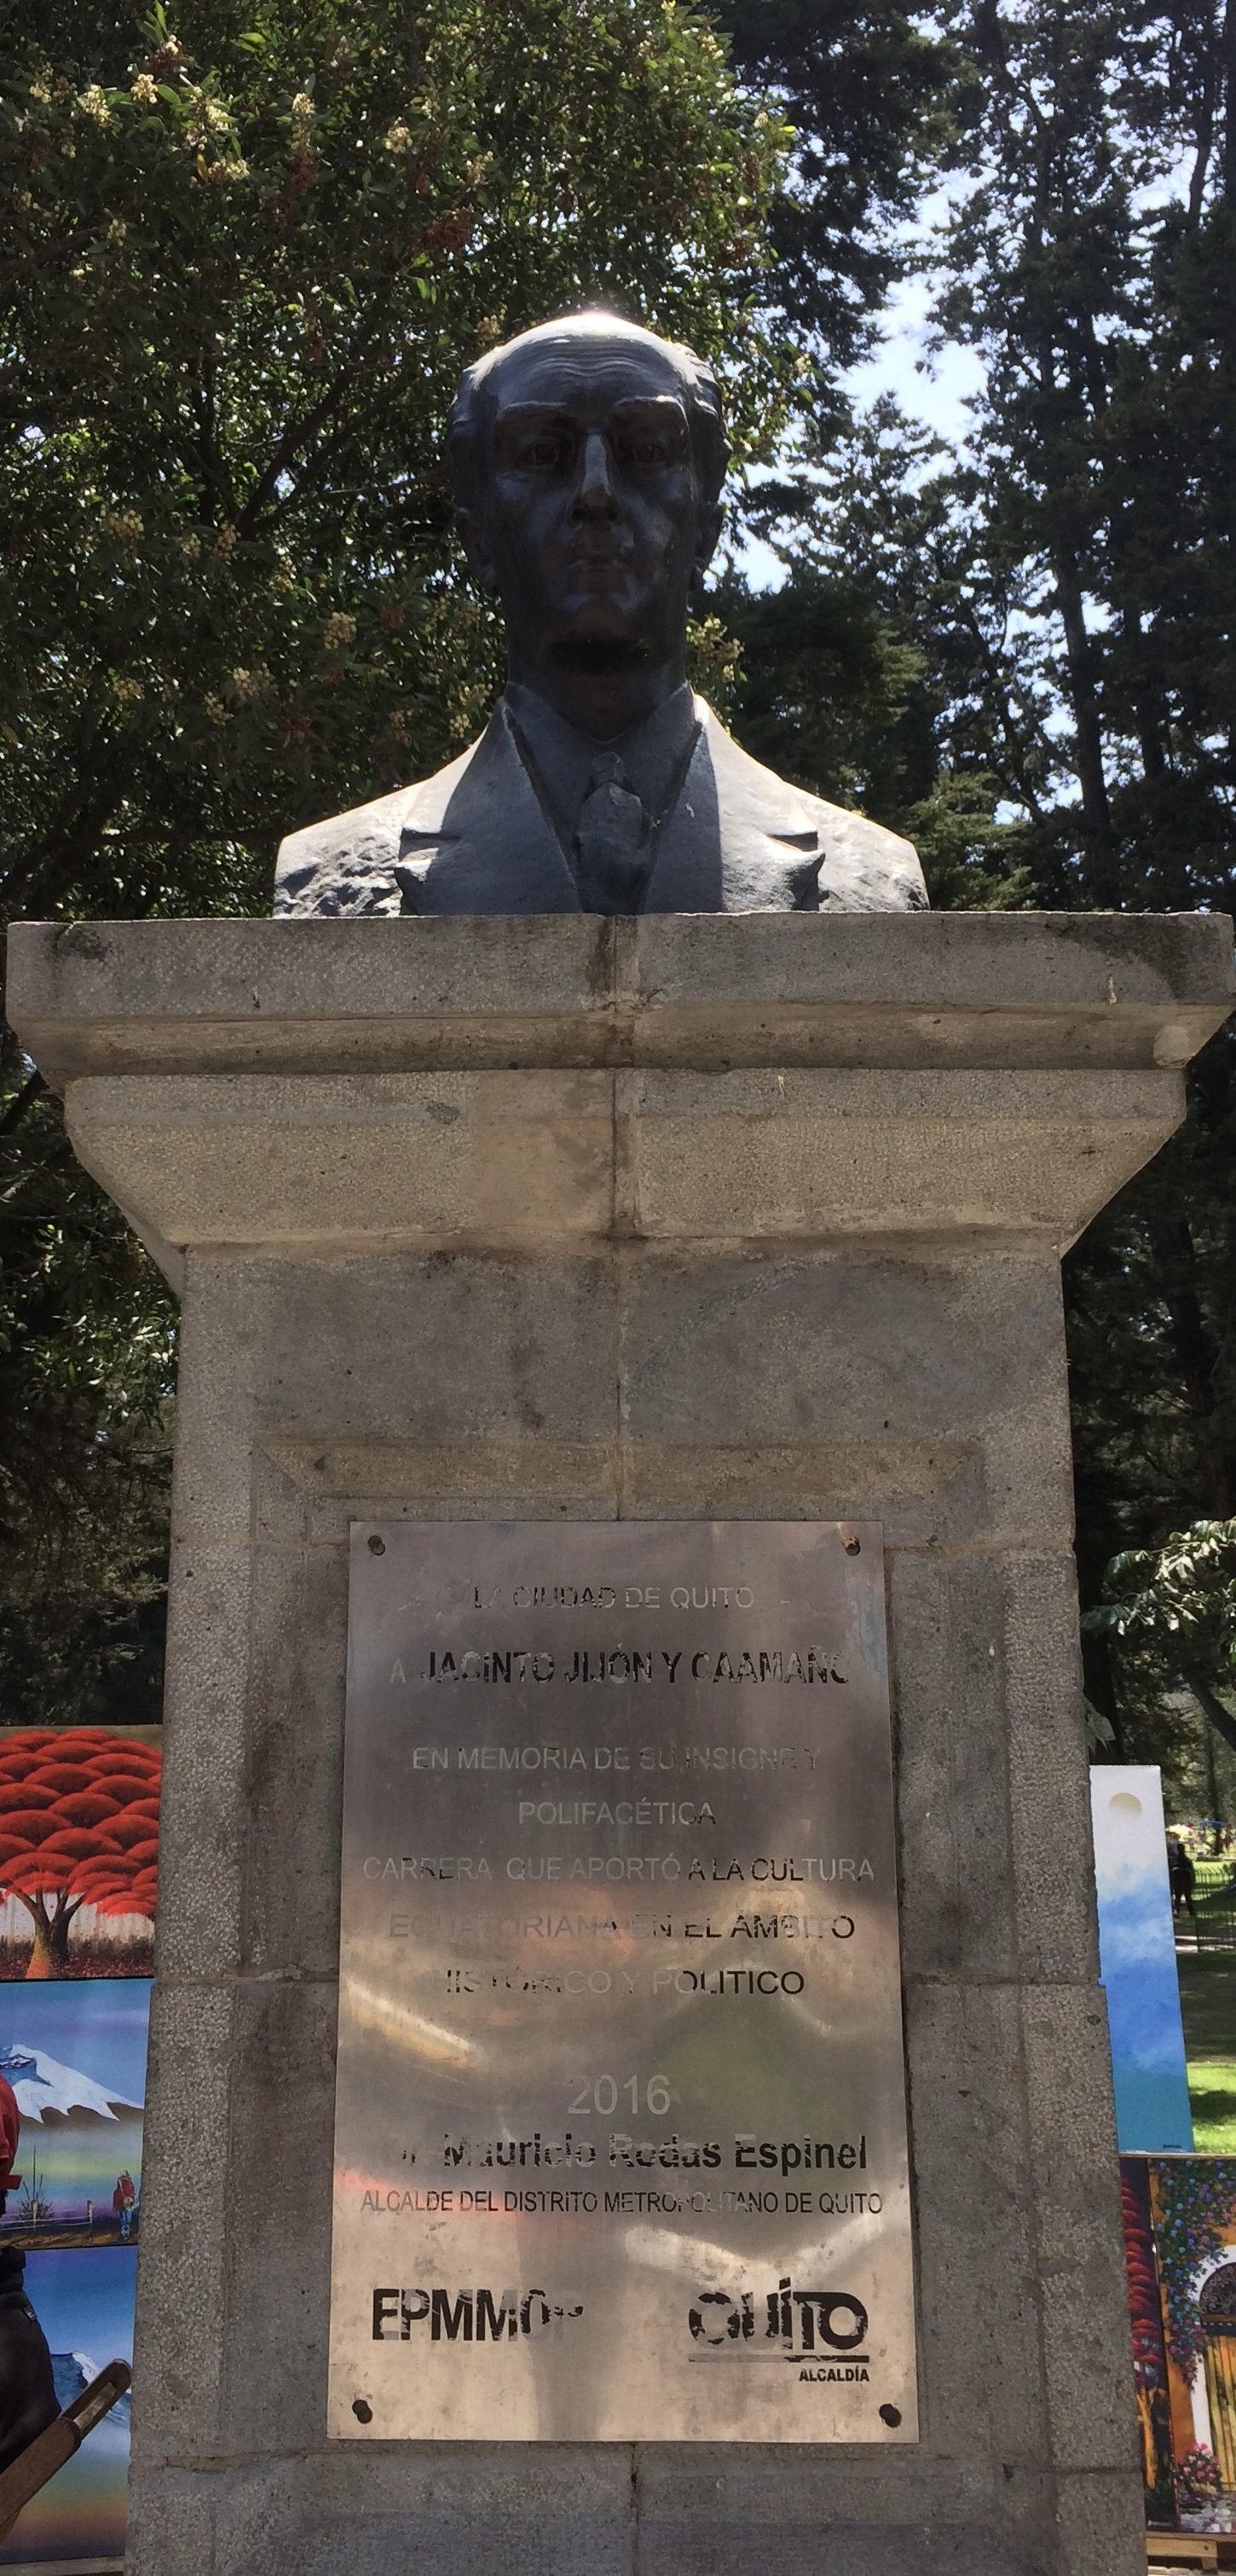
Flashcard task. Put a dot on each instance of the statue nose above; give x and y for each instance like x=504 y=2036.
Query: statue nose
x=595 y=489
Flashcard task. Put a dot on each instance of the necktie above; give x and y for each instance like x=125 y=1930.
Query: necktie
x=613 y=848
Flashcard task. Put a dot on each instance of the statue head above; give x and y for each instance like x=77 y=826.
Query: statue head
x=588 y=457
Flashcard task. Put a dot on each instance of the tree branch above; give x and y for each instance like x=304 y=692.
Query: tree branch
x=21 y=1102
x=1220 y=1716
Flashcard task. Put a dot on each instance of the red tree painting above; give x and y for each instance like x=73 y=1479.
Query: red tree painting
x=79 y=1825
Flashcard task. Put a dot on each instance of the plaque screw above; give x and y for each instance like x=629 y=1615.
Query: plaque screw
x=377 y=1546
x=853 y=1547
x=363 y=2411
x=890 y=2415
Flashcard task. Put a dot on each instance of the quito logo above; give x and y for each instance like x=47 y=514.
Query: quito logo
x=780 y=2325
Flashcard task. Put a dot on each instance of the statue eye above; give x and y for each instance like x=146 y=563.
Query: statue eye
x=543 y=453
x=649 y=450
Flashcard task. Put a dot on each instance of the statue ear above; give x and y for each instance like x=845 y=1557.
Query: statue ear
x=708 y=529
x=469 y=527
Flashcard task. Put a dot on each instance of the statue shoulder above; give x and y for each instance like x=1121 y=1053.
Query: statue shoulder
x=866 y=867
x=345 y=867
x=863 y=866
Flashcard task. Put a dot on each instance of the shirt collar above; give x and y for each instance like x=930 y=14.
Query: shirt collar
x=650 y=752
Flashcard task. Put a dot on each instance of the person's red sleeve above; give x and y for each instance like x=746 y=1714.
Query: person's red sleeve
x=10 y=2130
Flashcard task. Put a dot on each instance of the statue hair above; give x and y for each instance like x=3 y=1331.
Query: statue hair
x=471 y=410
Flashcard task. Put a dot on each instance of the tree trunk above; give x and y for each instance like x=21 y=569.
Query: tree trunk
x=1212 y=1792
x=49 y=1956
x=1102 y=875
x=41 y=1954
x=1220 y=1716
x=1197 y=1353
x=1100 y=1684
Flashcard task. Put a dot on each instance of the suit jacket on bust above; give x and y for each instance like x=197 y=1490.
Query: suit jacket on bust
x=479 y=838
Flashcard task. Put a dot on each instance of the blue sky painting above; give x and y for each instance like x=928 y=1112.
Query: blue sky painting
x=1137 y=1960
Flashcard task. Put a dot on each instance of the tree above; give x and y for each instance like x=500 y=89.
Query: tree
x=244 y=258
x=1033 y=641
x=86 y=1374
x=79 y=1825
x=1090 y=263
x=855 y=674
x=1178 y=1601
x=872 y=96
x=242 y=253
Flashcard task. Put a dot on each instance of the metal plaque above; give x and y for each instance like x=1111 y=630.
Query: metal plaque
x=620 y=2142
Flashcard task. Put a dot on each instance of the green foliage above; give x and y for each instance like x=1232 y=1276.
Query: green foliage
x=873 y=97
x=244 y=251
x=1170 y=1615
x=1182 y=1595
x=857 y=673
x=1096 y=282
x=1150 y=1297
x=86 y=1353
x=244 y=260
x=1053 y=613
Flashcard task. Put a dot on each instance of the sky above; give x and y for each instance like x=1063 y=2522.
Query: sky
x=932 y=387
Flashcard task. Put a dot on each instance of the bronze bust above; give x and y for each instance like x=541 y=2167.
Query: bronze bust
x=588 y=458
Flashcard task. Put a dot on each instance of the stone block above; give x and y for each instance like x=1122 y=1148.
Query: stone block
x=1062 y=989
x=928 y=1394
x=776 y=1155
x=956 y=1894
x=941 y=2548
x=294 y=1761
x=221 y=1363
x=674 y=1218
x=1049 y=1783
x=442 y=1349
x=1101 y=2524
x=974 y=2154
x=892 y=2513
x=273 y=2398
x=202 y=1818
x=535 y=2510
x=188 y=2180
x=1079 y=2254
x=389 y=1158
x=171 y=2525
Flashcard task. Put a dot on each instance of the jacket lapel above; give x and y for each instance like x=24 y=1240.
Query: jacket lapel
x=474 y=839
x=738 y=840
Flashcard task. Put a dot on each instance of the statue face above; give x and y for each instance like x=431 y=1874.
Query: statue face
x=590 y=527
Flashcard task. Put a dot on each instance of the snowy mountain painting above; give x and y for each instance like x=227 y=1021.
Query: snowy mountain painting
x=74 y=2052
x=84 y=2303
x=41 y=2085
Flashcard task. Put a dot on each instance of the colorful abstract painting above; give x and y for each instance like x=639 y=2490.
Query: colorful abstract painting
x=79 y=1844
x=1180 y=2243
x=1137 y=1960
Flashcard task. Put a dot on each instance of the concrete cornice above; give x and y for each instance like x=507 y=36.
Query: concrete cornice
x=316 y=1089
x=703 y=990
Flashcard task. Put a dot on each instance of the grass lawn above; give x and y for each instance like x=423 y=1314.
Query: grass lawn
x=1208 y=2002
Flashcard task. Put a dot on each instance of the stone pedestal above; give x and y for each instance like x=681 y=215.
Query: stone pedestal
x=694 y=1217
